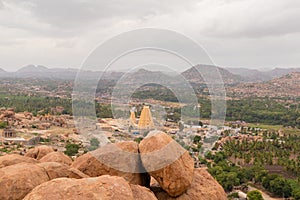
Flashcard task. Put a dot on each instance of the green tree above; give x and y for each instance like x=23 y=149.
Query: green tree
x=72 y=149
x=296 y=194
x=280 y=187
x=197 y=139
x=254 y=195
x=3 y=125
x=138 y=140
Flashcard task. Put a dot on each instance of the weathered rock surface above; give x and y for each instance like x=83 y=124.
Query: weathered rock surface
x=123 y=158
x=57 y=157
x=58 y=170
x=39 y=152
x=171 y=167
x=167 y=162
x=203 y=187
x=18 y=180
x=142 y=193
x=12 y=159
x=104 y=188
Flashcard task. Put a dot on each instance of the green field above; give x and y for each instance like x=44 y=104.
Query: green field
x=275 y=128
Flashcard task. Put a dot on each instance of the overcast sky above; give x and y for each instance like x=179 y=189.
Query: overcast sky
x=235 y=33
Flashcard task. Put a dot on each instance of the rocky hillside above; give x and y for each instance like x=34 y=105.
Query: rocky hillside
x=45 y=174
x=285 y=86
x=254 y=75
x=192 y=74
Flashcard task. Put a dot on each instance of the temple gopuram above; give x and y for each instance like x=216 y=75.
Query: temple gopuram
x=146 y=121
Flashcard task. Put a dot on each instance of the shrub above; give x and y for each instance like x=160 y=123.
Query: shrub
x=72 y=149
x=254 y=195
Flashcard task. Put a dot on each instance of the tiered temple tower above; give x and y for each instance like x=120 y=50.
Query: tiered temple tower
x=132 y=118
x=146 y=119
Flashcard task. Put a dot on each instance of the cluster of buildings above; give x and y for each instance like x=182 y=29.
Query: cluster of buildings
x=23 y=128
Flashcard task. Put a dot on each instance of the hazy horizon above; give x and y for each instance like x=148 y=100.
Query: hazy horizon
x=122 y=70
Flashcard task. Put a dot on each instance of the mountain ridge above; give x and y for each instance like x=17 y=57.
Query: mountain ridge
x=229 y=75
x=254 y=75
x=283 y=86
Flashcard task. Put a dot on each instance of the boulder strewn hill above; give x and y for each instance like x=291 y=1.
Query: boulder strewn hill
x=285 y=86
x=254 y=75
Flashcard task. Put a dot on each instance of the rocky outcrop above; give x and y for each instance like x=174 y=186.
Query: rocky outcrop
x=12 y=159
x=18 y=180
x=104 y=187
x=116 y=170
x=9 y=113
x=57 y=157
x=111 y=160
x=203 y=187
x=142 y=193
x=39 y=152
x=58 y=170
x=167 y=162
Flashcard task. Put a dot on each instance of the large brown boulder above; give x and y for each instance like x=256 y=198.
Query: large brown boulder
x=167 y=162
x=39 y=152
x=58 y=170
x=12 y=159
x=203 y=187
x=57 y=157
x=104 y=187
x=142 y=193
x=18 y=180
x=120 y=159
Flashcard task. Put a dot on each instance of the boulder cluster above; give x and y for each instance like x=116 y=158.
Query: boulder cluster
x=146 y=171
x=22 y=120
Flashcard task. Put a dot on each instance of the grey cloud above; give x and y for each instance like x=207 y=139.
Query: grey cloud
x=266 y=18
x=235 y=32
x=80 y=12
x=282 y=51
x=241 y=18
x=227 y=18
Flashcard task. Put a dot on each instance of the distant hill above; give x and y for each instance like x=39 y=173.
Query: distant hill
x=287 y=85
x=33 y=69
x=254 y=75
x=39 y=71
x=229 y=75
x=277 y=72
x=4 y=74
x=193 y=75
x=142 y=76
